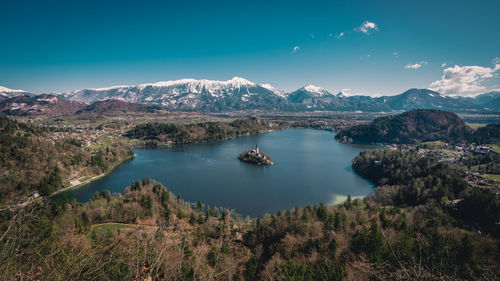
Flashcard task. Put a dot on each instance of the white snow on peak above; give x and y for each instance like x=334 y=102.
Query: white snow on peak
x=435 y=94
x=48 y=99
x=235 y=82
x=109 y=88
x=173 y=87
x=341 y=94
x=273 y=89
x=240 y=81
x=314 y=89
x=7 y=90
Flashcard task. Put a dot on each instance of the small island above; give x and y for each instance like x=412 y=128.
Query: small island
x=254 y=156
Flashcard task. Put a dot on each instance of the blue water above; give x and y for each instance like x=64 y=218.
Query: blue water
x=311 y=167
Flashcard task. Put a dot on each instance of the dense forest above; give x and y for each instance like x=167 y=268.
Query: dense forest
x=165 y=133
x=406 y=178
x=32 y=159
x=488 y=134
x=148 y=233
x=410 y=127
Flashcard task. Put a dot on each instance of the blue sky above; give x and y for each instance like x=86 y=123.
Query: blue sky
x=49 y=46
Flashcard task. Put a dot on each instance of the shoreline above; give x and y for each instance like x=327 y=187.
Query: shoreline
x=92 y=179
x=335 y=200
x=142 y=146
x=167 y=145
x=339 y=199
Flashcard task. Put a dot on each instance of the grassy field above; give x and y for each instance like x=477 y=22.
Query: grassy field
x=102 y=229
x=434 y=143
x=475 y=125
x=495 y=148
x=494 y=177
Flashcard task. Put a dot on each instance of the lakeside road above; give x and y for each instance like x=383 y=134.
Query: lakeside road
x=76 y=182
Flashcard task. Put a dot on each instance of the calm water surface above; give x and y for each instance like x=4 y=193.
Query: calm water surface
x=311 y=167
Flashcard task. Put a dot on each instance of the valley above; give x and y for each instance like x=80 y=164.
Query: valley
x=433 y=189
x=250 y=140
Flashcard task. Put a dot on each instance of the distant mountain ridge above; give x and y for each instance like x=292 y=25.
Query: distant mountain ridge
x=6 y=93
x=427 y=99
x=489 y=100
x=241 y=94
x=44 y=104
x=190 y=94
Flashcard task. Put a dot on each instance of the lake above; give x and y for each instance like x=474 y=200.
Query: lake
x=311 y=167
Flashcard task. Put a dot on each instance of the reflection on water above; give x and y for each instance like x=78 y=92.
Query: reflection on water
x=311 y=167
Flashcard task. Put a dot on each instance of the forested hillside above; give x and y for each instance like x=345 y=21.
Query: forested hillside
x=410 y=127
x=488 y=134
x=149 y=233
x=33 y=158
x=164 y=133
x=406 y=178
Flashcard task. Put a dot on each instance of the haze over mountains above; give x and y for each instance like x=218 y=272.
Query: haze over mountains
x=241 y=94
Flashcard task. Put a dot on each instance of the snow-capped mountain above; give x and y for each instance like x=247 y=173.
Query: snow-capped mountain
x=6 y=93
x=312 y=97
x=241 y=94
x=426 y=99
x=190 y=94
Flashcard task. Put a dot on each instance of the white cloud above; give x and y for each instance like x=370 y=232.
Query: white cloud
x=415 y=65
x=464 y=80
x=340 y=35
x=347 y=92
x=365 y=57
x=367 y=27
x=396 y=54
x=295 y=49
x=495 y=60
x=443 y=65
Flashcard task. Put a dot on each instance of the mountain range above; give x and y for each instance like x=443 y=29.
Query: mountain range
x=241 y=94
x=6 y=93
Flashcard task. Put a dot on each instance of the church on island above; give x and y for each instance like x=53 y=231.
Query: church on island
x=254 y=156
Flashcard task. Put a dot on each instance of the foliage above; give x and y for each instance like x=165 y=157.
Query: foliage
x=490 y=134
x=410 y=127
x=33 y=158
x=419 y=178
x=156 y=133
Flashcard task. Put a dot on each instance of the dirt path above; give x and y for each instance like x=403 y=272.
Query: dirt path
x=76 y=182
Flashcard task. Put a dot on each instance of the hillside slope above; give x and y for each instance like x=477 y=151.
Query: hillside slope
x=409 y=127
x=34 y=158
x=113 y=106
x=45 y=104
